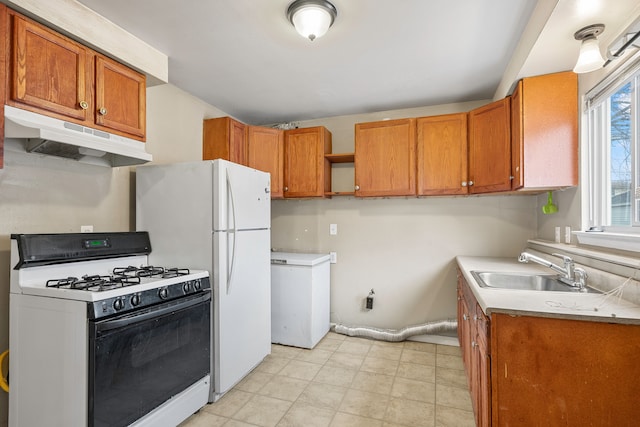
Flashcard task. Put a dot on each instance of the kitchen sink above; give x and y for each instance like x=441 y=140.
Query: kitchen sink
x=524 y=281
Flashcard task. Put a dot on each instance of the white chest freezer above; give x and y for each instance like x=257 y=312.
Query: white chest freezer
x=300 y=298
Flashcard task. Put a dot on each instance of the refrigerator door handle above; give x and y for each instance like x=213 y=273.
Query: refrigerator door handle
x=231 y=233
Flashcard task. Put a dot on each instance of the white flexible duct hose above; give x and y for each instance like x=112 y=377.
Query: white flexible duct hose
x=395 y=335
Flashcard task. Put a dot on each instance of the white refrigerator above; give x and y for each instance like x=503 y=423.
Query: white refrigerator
x=216 y=215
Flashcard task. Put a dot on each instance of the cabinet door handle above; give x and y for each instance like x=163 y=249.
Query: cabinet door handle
x=357 y=187
x=286 y=188
x=84 y=105
x=102 y=111
x=465 y=317
x=470 y=183
x=475 y=317
x=474 y=344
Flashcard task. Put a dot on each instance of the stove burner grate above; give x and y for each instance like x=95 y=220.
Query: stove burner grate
x=122 y=276
x=150 y=271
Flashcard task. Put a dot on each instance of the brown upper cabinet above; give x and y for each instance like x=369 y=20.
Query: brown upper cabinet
x=544 y=120
x=442 y=154
x=385 y=158
x=56 y=76
x=224 y=138
x=265 y=152
x=306 y=171
x=490 y=148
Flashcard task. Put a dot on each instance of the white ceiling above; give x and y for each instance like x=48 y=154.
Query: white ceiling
x=245 y=58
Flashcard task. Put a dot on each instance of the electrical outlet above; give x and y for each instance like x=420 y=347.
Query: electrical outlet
x=333 y=229
x=333 y=257
x=86 y=228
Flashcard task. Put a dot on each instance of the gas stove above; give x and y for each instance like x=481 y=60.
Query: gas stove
x=110 y=271
x=129 y=343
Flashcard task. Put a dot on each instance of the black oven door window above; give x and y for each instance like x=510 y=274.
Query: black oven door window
x=140 y=360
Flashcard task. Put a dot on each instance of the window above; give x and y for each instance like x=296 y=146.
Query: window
x=613 y=191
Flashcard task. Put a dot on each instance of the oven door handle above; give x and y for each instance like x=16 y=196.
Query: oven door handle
x=130 y=318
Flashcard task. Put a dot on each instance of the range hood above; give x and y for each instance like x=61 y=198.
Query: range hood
x=46 y=135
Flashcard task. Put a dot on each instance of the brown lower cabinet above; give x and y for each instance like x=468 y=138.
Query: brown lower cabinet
x=525 y=370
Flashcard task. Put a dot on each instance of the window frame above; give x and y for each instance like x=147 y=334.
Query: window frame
x=595 y=188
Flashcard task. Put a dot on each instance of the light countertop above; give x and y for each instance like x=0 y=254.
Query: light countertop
x=569 y=305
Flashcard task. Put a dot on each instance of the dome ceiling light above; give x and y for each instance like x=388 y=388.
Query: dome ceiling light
x=590 y=58
x=311 y=18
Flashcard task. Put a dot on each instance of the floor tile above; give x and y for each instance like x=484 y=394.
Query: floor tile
x=380 y=366
x=316 y=355
x=451 y=377
x=229 y=404
x=385 y=352
x=452 y=417
x=263 y=411
x=335 y=376
x=328 y=343
x=304 y=415
x=285 y=388
x=284 y=351
x=448 y=349
x=414 y=390
x=448 y=361
x=349 y=420
x=254 y=381
x=410 y=413
x=454 y=397
x=272 y=364
x=365 y=404
x=420 y=346
x=418 y=357
x=323 y=395
x=354 y=347
x=416 y=372
x=345 y=360
x=300 y=370
x=204 y=419
x=375 y=383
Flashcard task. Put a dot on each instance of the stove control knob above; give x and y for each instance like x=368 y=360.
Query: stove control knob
x=163 y=293
x=197 y=285
x=118 y=304
x=187 y=287
x=135 y=300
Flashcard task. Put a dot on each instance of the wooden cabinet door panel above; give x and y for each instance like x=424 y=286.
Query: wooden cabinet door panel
x=385 y=158
x=442 y=154
x=224 y=138
x=120 y=97
x=545 y=131
x=551 y=371
x=265 y=152
x=490 y=147
x=50 y=72
x=306 y=171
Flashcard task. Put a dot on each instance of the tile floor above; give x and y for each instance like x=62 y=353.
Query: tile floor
x=348 y=381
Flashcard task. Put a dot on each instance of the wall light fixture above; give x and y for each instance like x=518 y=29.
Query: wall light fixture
x=590 y=58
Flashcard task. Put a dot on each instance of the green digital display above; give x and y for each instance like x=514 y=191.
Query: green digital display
x=96 y=243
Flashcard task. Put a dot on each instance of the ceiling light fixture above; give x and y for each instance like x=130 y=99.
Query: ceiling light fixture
x=590 y=58
x=311 y=18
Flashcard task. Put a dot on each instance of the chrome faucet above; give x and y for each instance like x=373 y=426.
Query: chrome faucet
x=568 y=274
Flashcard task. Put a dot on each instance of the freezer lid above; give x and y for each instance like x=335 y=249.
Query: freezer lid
x=294 y=258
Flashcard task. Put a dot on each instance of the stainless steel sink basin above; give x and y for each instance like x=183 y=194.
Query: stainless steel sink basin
x=524 y=281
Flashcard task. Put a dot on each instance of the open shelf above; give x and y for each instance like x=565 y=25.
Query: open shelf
x=340 y=158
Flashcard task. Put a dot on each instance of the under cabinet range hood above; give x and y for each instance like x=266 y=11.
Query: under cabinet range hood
x=47 y=135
